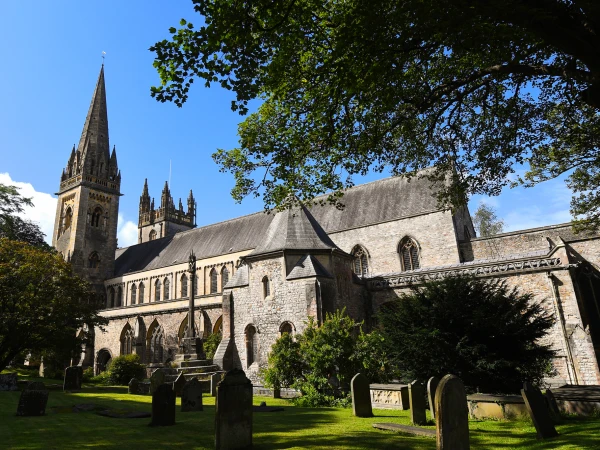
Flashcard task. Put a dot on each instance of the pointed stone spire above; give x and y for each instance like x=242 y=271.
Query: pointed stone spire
x=94 y=144
x=145 y=198
x=165 y=198
x=113 y=157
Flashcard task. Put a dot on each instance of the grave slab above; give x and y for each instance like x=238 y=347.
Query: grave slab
x=452 y=421
x=163 y=406
x=191 y=396
x=361 y=396
x=233 y=416
x=416 y=395
x=538 y=411
x=416 y=431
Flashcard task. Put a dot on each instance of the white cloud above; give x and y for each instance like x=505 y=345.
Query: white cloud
x=44 y=205
x=127 y=232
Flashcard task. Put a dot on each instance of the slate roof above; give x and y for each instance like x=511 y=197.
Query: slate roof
x=239 y=279
x=375 y=202
x=308 y=266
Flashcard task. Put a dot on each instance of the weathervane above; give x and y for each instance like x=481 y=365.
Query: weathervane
x=103 y=55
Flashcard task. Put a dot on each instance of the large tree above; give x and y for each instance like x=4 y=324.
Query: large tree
x=472 y=87
x=14 y=227
x=42 y=303
x=486 y=222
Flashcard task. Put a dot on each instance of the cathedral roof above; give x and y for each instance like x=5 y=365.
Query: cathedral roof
x=308 y=266
x=368 y=204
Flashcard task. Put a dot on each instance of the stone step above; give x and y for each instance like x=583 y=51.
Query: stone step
x=199 y=369
x=196 y=363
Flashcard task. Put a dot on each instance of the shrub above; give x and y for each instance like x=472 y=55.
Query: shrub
x=211 y=343
x=102 y=378
x=125 y=367
x=372 y=357
x=285 y=363
x=88 y=374
x=482 y=331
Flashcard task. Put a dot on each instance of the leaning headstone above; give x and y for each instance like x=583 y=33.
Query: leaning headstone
x=214 y=381
x=178 y=384
x=163 y=406
x=9 y=382
x=432 y=385
x=73 y=377
x=538 y=411
x=452 y=422
x=233 y=416
x=416 y=395
x=552 y=406
x=33 y=400
x=157 y=379
x=361 y=396
x=191 y=396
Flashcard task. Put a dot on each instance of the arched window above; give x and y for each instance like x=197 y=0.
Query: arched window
x=96 y=217
x=111 y=297
x=152 y=235
x=133 y=294
x=361 y=264
x=157 y=291
x=127 y=340
x=141 y=289
x=94 y=260
x=286 y=327
x=68 y=218
x=167 y=289
x=224 y=277
x=251 y=345
x=213 y=281
x=156 y=343
x=266 y=287
x=119 y=301
x=184 y=286
x=409 y=254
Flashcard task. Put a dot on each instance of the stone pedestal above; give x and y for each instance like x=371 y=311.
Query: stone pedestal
x=191 y=348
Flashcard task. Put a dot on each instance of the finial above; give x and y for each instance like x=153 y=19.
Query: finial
x=103 y=55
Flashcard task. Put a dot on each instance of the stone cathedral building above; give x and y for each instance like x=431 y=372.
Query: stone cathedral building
x=262 y=274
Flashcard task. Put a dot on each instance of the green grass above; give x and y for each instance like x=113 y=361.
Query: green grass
x=321 y=428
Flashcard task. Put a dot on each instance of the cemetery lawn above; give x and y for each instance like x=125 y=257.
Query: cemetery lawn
x=320 y=428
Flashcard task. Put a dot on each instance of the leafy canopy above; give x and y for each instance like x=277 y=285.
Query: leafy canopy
x=485 y=333
x=14 y=227
x=42 y=303
x=471 y=87
x=486 y=222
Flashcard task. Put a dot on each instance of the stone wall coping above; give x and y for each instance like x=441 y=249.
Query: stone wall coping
x=517 y=232
x=493 y=398
x=387 y=387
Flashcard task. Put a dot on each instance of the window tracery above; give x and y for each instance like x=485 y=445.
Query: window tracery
x=409 y=254
x=360 y=262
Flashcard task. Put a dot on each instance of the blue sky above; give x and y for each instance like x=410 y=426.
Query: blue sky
x=50 y=59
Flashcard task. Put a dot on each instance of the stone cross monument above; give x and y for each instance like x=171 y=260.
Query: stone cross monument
x=191 y=347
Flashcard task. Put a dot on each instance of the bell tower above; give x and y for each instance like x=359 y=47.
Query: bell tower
x=85 y=227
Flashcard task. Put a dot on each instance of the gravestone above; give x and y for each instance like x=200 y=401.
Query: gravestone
x=191 y=396
x=134 y=386
x=452 y=414
x=163 y=406
x=538 y=411
x=178 y=385
x=73 y=377
x=432 y=385
x=233 y=416
x=552 y=406
x=416 y=395
x=214 y=381
x=361 y=396
x=33 y=400
x=8 y=382
x=157 y=379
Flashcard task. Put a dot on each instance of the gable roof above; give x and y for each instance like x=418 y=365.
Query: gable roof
x=308 y=266
x=367 y=204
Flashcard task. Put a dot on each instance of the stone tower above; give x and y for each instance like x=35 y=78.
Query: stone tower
x=85 y=228
x=166 y=219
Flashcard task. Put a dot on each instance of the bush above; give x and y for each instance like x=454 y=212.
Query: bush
x=88 y=374
x=123 y=368
x=211 y=343
x=102 y=378
x=285 y=363
x=481 y=331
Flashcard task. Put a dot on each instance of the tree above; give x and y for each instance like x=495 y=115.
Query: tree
x=486 y=222
x=14 y=227
x=482 y=331
x=473 y=88
x=42 y=303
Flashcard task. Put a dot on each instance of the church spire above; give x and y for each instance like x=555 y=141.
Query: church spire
x=94 y=145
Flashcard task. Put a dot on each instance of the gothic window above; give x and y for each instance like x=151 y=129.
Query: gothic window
x=152 y=235
x=409 y=254
x=96 y=217
x=133 y=294
x=251 y=345
x=94 y=260
x=68 y=218
x=119 y=301
x=184 y=286
x=111 y=296
x=213 y=281
x=286 y=327
x=167 y=289
x=266 y=287
x=156 y=346
x=127 y=340
x=224 y=277
x=361 y=264
x=157 y=291
x=141 y=292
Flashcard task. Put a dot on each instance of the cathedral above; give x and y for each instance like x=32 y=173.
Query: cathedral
x=257 y=276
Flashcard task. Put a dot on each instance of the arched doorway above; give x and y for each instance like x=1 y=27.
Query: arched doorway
x=103 y=359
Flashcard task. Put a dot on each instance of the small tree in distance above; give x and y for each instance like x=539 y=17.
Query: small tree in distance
x=481 y=331
x=486 y=222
